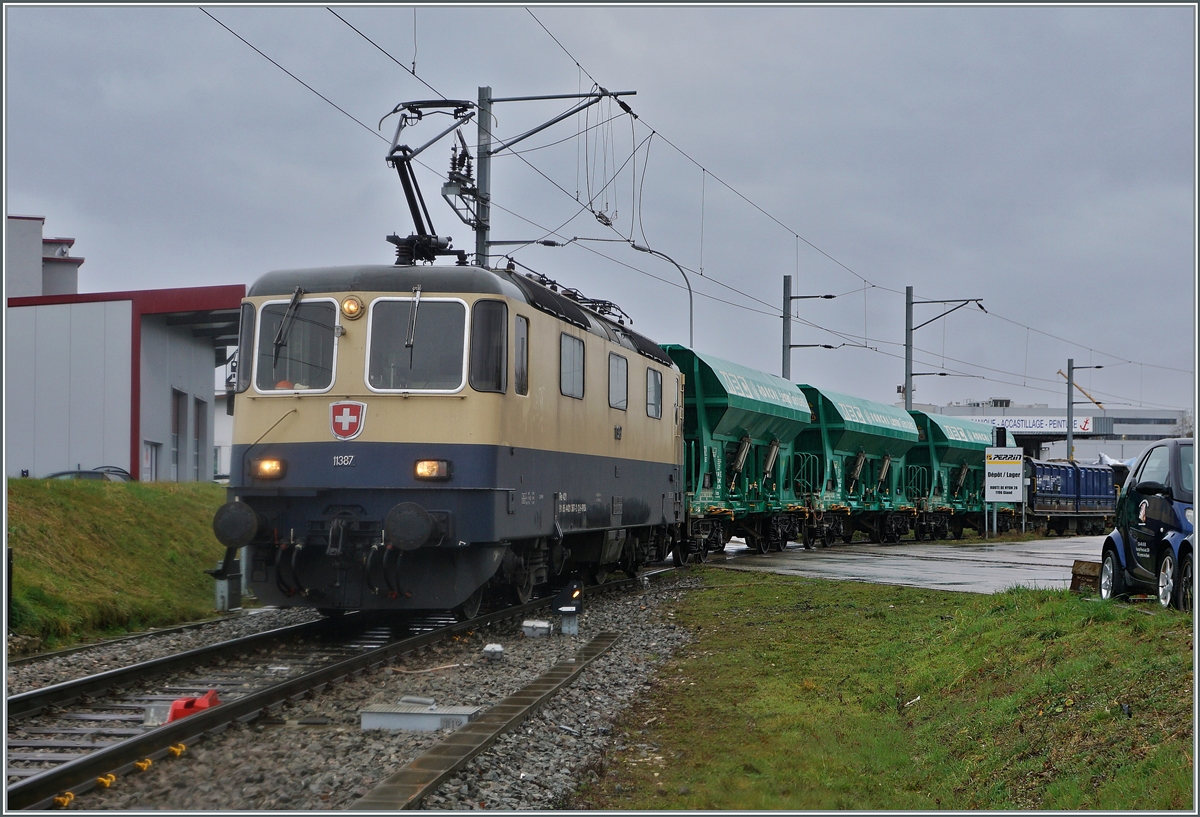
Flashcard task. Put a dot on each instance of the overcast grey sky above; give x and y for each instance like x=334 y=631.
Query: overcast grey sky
x=1040 y=158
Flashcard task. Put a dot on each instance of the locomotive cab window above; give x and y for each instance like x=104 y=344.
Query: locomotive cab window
x=654 y=393
x=618 y=382
x=296 y=346
x=521 y=352
x=489 y=346
x=245 y=349
x=570 y=372
x=416 y=345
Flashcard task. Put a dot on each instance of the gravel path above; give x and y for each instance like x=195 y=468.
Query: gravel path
x=24 y=677
x=328 y=762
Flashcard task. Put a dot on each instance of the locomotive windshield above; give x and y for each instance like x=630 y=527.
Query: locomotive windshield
x=432 y=361
x=303 y=359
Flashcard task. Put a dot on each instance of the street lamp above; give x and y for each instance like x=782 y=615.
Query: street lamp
x=663 y=255
x=909 y=329
x=788 y=346
x=1071 y=367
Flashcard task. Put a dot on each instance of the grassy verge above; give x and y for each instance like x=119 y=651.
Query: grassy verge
x=93 y=558
x=810 y=694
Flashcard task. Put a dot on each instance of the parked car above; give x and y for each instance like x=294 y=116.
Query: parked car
x=1150 y=549
x=109 y=473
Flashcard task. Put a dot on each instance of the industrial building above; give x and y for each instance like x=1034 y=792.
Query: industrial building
x=1120 y=433
x=119 y=379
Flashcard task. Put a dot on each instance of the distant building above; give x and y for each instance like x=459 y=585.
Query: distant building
x=108 y=378
x=1121 y=433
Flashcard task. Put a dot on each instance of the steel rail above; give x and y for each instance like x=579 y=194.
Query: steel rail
x=194 y=625
x=423 y=774
x=78 y=776
x=35 y=700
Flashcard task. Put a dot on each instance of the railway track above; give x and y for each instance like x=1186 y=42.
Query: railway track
x=55 y=754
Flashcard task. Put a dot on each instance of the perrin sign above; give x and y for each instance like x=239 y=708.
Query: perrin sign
x=1003 y=475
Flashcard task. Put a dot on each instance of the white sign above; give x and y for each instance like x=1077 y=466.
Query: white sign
x=1003 y=474
x=1035 y=425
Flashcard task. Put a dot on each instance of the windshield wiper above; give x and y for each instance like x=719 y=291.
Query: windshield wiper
x=411 y=340
x=412 y=317
x=285 y=325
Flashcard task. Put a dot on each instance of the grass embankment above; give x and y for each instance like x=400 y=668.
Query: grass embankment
x=811 y=694
x=93 y=558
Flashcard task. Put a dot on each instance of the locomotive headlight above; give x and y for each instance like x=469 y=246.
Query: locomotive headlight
x=268 y=469
x=1187 y=513
x=352 y=307
x=433 y=469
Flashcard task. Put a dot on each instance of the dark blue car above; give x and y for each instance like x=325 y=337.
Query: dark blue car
x=1150 y=549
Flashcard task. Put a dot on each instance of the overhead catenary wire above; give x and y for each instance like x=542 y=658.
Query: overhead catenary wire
x=293 y=76
x=773 y=310
x=706 y=171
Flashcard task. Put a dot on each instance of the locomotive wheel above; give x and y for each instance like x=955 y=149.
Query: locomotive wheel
x=680 y=556
x=522 y=593
x=599 y=574
x=469 y=608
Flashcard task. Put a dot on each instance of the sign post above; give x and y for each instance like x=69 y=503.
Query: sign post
x=1003 y=475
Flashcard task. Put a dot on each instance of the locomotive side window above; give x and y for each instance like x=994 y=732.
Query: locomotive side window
x=295 y=346
x=521 y=364
x=245 y=352
x=570 y=370
x=416 y=345
x=489 y=346
x=618 y=382
x=654 y=393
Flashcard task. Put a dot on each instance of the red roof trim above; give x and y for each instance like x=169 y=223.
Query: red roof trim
x=151 y=301
x=31 y=218
x=70 y=242
x=74 y=259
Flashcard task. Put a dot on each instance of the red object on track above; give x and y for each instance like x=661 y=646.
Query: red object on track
x=189 y=706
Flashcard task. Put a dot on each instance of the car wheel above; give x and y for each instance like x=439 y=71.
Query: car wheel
x=1183 y=584
x=1112 y=580
x=1166 y=579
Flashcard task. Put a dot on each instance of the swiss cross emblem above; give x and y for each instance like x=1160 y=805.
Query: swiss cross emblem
x=346 y=418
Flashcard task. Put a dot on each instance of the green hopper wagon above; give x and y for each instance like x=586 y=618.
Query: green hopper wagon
x=848 y=467
x=739 y=427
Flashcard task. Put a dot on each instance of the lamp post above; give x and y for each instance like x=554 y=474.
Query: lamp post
x=1071 y=367
x=663 y=255
x=909 y=329
x=788 y=346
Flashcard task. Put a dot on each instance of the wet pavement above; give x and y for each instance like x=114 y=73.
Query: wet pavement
x=973 y=568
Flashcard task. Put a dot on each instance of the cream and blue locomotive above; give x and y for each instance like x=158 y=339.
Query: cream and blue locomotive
x=412 y=437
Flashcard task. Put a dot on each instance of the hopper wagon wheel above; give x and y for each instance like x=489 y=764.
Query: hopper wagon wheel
x=826 y=537
x=806 y=536
x=679 y=554
x=847 y=538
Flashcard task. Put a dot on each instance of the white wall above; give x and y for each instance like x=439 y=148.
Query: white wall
x=67 y=390
x=173 y=360
x=23 y=260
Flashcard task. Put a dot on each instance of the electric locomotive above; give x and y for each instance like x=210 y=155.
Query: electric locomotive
x=407 y=437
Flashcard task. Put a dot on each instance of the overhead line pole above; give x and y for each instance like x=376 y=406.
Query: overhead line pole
x=788 y=346
x=909 y=329
x=483 y=166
